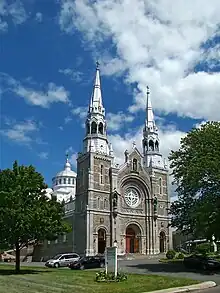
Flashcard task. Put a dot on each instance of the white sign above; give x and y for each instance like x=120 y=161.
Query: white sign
x=111 y=260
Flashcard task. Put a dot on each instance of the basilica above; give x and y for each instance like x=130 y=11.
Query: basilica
x=110 y=204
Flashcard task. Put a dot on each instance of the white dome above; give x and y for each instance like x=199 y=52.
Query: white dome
x=66 y=173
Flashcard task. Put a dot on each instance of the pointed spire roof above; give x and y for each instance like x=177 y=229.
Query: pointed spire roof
x=150 y=122
x=96 y=98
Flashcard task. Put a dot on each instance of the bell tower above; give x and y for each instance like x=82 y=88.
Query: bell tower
x=151 y=141
x=96 y=137
x=93 y=187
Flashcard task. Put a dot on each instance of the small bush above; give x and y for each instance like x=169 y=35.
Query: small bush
x=110 y=277
x=203 y=248
x=180 y=256
x=170 y=254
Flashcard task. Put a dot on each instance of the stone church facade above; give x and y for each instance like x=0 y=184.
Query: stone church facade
x=123 y=205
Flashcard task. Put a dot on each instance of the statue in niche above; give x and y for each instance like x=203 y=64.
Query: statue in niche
x=126 y=155
x=135 y=165
x=115 y=199
x=155 y=204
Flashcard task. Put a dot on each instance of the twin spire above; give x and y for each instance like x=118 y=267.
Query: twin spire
x=96 y=105
x=150 y=122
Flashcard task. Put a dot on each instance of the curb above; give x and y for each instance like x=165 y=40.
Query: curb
x=200 y=286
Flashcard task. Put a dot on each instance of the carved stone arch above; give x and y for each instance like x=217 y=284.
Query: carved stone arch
x=156 y=145
x=151 y=145
x=88 y=127
x=162 y=240
x=101 y=128
x=101 y=227
x=93 y=127
x=138 y=181
x=136 y=223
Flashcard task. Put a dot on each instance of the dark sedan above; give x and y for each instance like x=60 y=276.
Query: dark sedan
x=201 y=262
x=88 y=262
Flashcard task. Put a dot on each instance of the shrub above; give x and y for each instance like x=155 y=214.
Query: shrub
x=203 y=248
x=171 y=254
x=110 y=277
x=180 y=255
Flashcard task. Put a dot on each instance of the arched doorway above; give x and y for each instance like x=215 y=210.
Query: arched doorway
x=101 y=241
x=133 y=234
x=162 y=242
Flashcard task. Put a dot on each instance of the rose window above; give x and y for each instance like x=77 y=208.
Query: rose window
x=132 y=197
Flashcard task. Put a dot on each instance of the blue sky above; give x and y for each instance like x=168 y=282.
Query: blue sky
x=48 y=51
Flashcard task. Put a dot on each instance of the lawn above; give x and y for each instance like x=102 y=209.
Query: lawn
x=42 y=280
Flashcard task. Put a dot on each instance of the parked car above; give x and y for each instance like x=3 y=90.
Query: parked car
x=201 y=262
x=88 y=262
x=62 y=260
x=6 y=257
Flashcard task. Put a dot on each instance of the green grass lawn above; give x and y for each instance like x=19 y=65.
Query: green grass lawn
x=43 y=280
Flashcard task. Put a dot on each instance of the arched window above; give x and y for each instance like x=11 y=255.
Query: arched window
x=151 y=145
x=156 y=145
x=105 y=204
x=69 y=181
x=160 y=186
x=60 y=181
x=56 y=182
x=87 y=128
x=93 y=127
x=101 y=174
x=73 y=181
x=101 y=128
x=64 y=181
x=135 y=165
x=98 y=203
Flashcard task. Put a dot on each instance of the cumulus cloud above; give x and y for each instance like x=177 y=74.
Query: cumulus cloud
x=23 y=132
x=43 y=155
x=42 y=98
x=13 y=10
x=157 y=43
x=39 y=17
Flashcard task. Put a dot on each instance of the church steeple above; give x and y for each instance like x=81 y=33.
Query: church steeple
x=96 y=105
x=151 y=142
x=96 y=137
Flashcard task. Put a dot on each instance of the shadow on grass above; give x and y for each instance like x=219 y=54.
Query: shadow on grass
x=7 y=272
x=170 y=268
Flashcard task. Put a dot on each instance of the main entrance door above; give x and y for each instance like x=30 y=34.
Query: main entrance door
x=162 y=242
x=132 y=239
x=101 y=241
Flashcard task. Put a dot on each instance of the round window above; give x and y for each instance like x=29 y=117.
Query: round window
x=132 y=197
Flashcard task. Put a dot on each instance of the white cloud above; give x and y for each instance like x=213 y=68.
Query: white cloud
x=39 y=16
x=22 y=132
x=81 y=112
x=158 y=43
x=43 y=155
x=117 y=121
x=75 y=75
x=52 y=94
x=14 y=10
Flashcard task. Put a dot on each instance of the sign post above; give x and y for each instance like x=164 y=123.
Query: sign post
x=111 y=260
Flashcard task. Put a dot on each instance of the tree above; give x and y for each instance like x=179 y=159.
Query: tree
x=26 y=213
x=196 y=172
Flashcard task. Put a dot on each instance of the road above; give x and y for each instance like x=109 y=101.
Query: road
x=153 y=266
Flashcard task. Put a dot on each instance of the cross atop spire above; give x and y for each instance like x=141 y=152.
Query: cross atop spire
x=67 y=165
x=97 y=65
x=96 y=105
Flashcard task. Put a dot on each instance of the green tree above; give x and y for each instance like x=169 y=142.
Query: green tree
x=196 y=171
x=26 y=213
